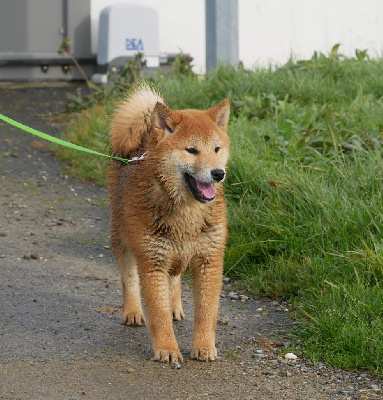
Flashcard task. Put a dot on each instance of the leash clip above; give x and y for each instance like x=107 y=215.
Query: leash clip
x=140 y=158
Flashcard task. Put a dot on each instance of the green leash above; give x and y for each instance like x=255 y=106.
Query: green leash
x=61 y=142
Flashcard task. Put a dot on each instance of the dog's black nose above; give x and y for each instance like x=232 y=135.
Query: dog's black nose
x=218 y=174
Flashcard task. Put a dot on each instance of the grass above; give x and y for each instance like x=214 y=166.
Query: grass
x=303 y=189
x=90 y=129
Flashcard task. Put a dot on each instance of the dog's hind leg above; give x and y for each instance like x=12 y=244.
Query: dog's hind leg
x=132 y=308
x=175 y=297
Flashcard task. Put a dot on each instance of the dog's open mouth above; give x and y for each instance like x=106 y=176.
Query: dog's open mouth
x=203 y=192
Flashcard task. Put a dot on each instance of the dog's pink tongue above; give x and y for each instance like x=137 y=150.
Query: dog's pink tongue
x=207 y=189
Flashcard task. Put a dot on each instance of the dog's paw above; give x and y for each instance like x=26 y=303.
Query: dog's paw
x=173 y=357
x=201 y=354
x=134 y=319
x=178 y=314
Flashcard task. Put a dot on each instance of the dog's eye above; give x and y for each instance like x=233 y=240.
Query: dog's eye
x=192 y=150
x=217 y=149
x=168 y=128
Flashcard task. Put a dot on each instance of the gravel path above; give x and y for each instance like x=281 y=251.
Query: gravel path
x=61 y=335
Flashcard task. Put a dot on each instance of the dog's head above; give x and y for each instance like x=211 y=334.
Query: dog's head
x=192 y=150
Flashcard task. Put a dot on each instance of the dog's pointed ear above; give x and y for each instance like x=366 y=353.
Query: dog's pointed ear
x=220 y=113
x=162 y=119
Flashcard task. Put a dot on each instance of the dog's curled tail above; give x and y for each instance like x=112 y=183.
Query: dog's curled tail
x=132 y=120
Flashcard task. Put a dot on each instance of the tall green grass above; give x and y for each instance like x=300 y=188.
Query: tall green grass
x=303 y=191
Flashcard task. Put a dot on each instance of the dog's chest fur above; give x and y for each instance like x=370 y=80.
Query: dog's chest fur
x=173 y=239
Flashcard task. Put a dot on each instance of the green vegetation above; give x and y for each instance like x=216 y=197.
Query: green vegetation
x=304 y=190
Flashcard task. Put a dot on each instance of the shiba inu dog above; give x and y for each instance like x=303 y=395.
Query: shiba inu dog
x=169 y=215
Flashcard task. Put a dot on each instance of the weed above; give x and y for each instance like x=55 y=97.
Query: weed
x=182 y=65
x=66 y=47
x=235 y=353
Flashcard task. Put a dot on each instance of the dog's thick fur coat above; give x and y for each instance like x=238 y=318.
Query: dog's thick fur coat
x=168 y=214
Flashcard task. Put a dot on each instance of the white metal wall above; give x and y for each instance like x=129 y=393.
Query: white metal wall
x=269 y=30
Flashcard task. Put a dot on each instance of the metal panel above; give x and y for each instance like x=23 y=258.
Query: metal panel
x=31 y=32
x=221 y=32
x=30 y=26
x=44 y=25
x=13 y=14
x=79 y=27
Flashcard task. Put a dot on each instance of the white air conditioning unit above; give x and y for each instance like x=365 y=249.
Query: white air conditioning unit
x=125 y=30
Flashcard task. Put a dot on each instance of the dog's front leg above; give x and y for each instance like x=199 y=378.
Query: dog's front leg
x=155 y=290
x=207 y=289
